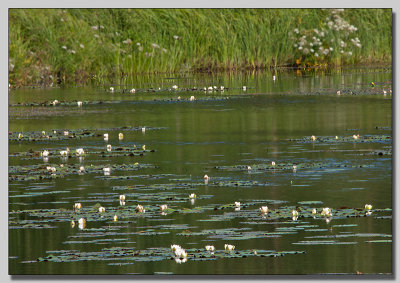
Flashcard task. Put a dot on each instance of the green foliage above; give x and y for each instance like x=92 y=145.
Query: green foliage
x=76 y=45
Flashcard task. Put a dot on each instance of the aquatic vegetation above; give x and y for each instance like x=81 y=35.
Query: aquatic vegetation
x=58 y=134
x=285 y=166
x=40 y=172
x=122 y=254
x=365 y=138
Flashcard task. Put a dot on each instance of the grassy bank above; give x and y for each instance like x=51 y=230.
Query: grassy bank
x=77 y=45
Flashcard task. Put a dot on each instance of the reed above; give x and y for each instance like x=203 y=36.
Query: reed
x=79 y=45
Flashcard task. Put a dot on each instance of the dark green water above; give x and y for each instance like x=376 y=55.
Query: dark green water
x=251 y=127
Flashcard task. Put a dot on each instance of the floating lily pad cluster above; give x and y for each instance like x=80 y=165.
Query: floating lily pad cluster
x=43 y=171
x=124 y=255
x=65 y=134
x=105 y=102
x=347 y=91
x=339 y=139
x=288 y=166
x=114 y=152
x=283 y=213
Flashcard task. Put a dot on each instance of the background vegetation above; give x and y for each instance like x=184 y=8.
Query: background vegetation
x=77 y=45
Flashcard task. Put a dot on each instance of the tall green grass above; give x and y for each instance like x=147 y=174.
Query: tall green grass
x=76 y=45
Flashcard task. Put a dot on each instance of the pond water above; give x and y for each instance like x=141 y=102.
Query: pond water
x=219 y=134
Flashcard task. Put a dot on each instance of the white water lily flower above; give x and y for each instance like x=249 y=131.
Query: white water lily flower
x=314 y=211
x=192 y=196
x=237 y=203
x=120 y=136
x=294 y=218
x=273 y=78
x=175 y=247
x=55 y=102
x=132 y=90
x=163 y=207
x=81 y=169
x=80 y=151
x=294 y=168
x=368 y=206
x=180 y=252
x=66 y=133
x=77 y=206
x=264 y=209
x=273 y=163
x=229 y=247
x=210 y=248
x=222 y=88
x=115 y=218
x=143 y=129
x=122 y=197
x=295 y=213
x=109 y=147
x=206 y=177
x=175 y=87
x=248 y=167
x=192 y=98
x=106 y=169
x=313 y=138
x=105 y=136
x=210 y=88
x=51 y=169
x=79 y=103
x=144 y=147
x=72 y=223
x=45 y=153
x=111 y=89
x=121 y=203
x=102 y=209
x=64 y=152
x=180 y=260
x=244 y=87
x=327 y=220
x=326 y=212
x=82 y=223
x=140 y=208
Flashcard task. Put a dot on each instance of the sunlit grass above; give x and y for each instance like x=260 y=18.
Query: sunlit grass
x=74 y=45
